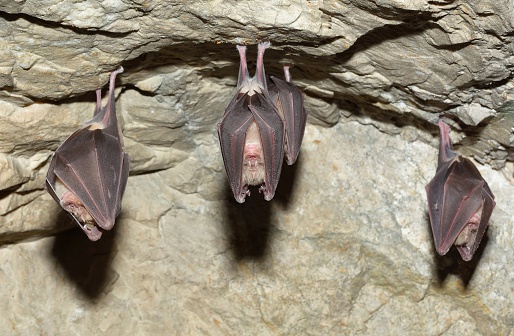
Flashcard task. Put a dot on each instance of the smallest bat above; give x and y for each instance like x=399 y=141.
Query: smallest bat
x=460 y=202
x=89 y=170
x=289 y=102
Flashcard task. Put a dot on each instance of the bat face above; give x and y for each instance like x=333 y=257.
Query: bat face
x=89 y=170
x=263 y=120
x=460 y=202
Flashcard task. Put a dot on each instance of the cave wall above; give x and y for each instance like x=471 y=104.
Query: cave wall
x=345 y=247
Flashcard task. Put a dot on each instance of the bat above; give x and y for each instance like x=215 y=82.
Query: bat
x=289 y=102
x=88 y=172
x=251 y=133
x=258 y=127
x=460 y=202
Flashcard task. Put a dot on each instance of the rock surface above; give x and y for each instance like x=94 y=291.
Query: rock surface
x=353 y=255
x=344 y=248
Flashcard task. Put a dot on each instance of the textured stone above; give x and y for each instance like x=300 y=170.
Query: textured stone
x=345 y=246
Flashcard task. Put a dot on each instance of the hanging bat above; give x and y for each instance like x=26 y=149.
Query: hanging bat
x=89 y=170
x=460 y=202
x=289 y=102
x=258 y=126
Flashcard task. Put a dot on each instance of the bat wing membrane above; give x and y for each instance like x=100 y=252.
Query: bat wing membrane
x=123 y=181
x=466 y=182
x=271 y=129
x=289 y=102
x=99 y=181
x=232 y=134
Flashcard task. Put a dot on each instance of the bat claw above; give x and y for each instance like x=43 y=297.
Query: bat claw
x=268 y=196
x=264 y=45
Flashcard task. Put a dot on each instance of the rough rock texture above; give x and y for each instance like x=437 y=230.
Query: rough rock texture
x=345 y=246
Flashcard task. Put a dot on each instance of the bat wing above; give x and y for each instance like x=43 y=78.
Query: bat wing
x=93 y=166
x=289 y=103
x=455 y=195
x=271 y=129
x=232 y=128
x=488 y=205
x=232 y=134
x=123 y=182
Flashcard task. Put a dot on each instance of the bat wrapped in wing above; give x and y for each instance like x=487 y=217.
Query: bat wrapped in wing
x=258 y=126
x=89 y=170
x=460 y=201
x=288 y=100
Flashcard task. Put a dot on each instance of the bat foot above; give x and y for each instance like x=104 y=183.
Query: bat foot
x=264 y=45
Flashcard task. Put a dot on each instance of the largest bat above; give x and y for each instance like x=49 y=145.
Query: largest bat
x=89 y=170
x=263 y=120
x=460 y=202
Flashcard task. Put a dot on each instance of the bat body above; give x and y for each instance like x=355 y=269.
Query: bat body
x=460 y=202
x=258 y=126
x=89 y=170
x=289 y=102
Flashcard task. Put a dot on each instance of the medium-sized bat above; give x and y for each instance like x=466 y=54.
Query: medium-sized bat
x=89 y=170
x=460 y=202
x=258 y=126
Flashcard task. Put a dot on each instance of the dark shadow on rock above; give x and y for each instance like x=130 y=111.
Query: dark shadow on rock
x=247 y=225
x=286 y=185
x=85 y=263
x=452 y=263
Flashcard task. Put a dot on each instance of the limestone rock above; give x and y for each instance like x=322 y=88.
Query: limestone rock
x=345 y=246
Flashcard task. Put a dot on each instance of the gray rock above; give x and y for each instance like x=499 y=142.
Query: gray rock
x=344 y=248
